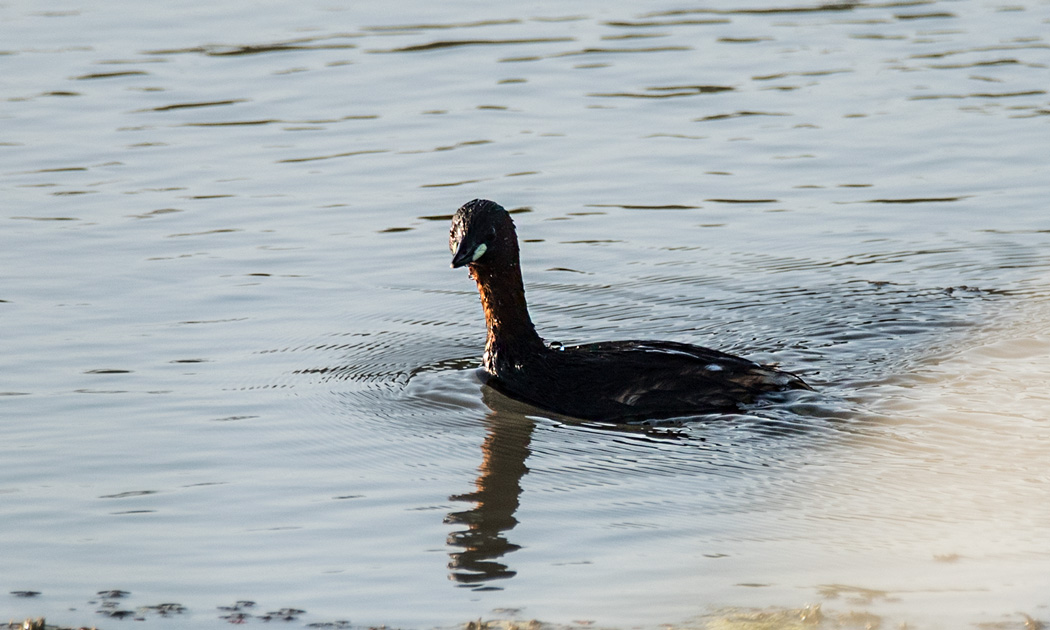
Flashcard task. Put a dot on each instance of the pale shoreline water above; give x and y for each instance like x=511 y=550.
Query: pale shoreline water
x=814 y=617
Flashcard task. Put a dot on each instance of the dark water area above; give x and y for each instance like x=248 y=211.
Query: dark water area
x=237 y=376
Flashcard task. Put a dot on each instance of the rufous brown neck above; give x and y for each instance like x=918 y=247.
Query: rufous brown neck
x=511 y=334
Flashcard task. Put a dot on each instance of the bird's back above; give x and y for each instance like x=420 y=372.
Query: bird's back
x=625 y=380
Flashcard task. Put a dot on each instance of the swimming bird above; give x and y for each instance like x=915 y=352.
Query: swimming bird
x=613 y=381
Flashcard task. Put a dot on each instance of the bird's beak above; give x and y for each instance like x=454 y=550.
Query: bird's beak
x=463 y=256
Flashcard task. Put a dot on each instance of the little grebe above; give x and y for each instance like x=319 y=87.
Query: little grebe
x=610 y=380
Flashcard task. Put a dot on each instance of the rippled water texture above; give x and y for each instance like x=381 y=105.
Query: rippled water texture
x=235 y=366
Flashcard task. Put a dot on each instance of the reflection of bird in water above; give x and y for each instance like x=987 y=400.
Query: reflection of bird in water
x=498 y=488
x=496 y=493
x=610 y=381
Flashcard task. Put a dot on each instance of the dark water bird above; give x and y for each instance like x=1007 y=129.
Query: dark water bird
x=613 y=381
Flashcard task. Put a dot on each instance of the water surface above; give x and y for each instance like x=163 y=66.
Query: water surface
x=236 y=367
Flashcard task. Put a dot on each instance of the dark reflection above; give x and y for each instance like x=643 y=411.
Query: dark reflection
x=497 y=490
x=474 y=42
x=495 y=497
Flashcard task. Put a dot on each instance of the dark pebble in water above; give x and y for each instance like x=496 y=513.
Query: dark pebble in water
x=113 y=594
x=284 y=614
x=116 y=614
x=167 y=609
x=25 y=593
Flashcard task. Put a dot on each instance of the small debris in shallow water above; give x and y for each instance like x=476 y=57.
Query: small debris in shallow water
x=117 y=613
x=284 y=614
x=166 y=609
x=237 y=614
x=1032 y=624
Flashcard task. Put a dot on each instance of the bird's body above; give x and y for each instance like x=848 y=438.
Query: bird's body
x=611 y=380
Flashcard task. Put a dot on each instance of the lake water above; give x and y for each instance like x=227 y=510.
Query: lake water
x=235 y=366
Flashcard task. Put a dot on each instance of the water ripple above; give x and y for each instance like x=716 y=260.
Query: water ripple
x=284 y=332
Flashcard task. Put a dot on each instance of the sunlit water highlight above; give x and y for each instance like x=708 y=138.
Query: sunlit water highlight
x=236 y=367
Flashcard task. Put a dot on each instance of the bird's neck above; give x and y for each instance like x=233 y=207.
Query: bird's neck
x=511 y=334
